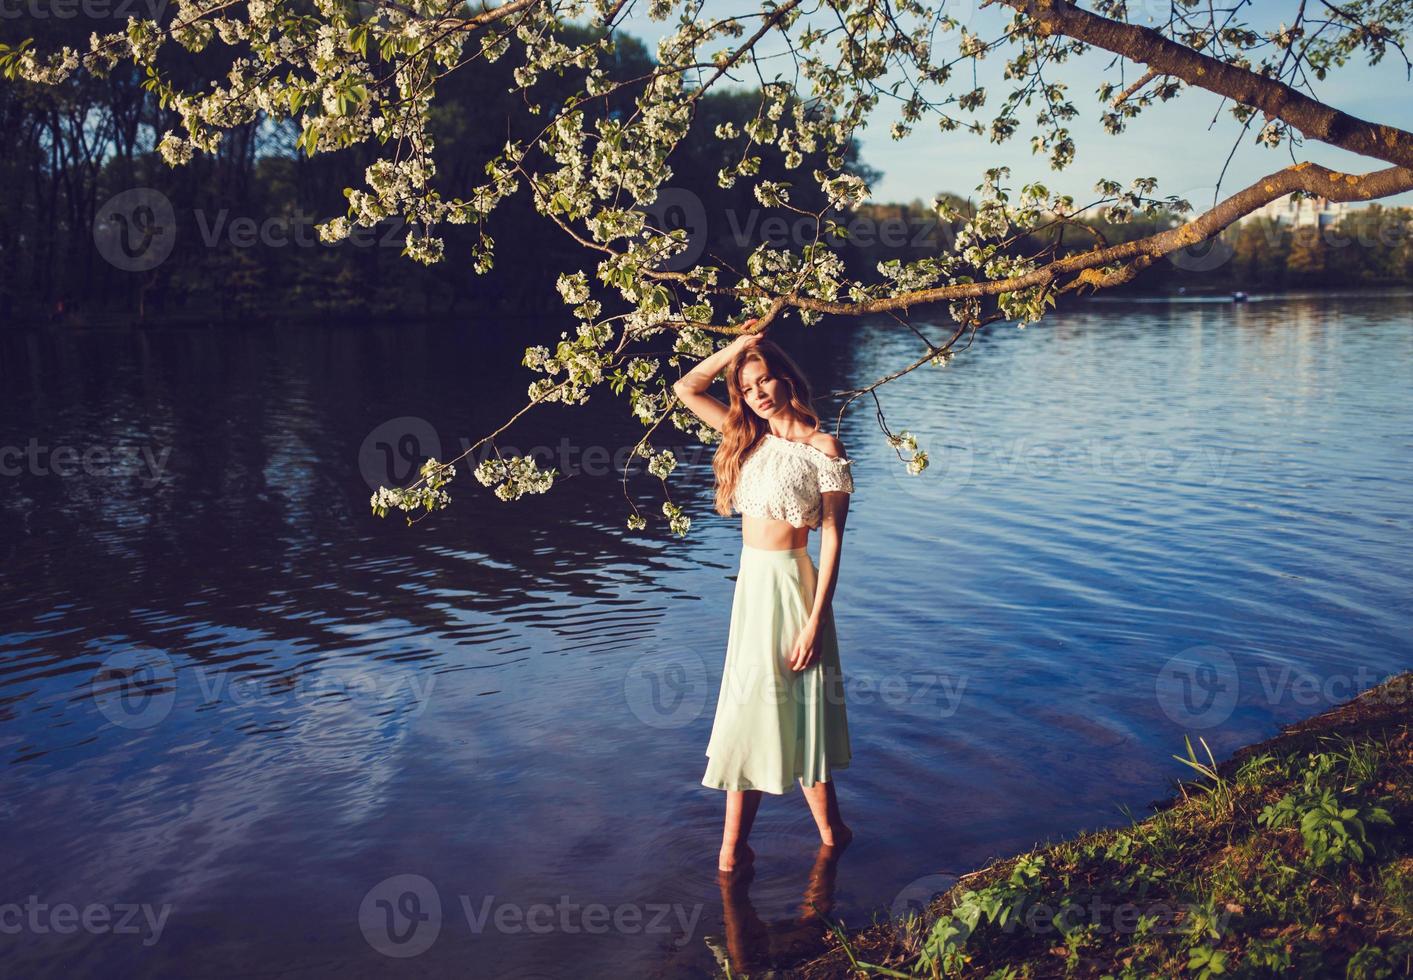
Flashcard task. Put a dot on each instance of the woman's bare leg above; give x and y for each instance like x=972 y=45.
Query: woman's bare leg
x=741 y=807
x=824 y=805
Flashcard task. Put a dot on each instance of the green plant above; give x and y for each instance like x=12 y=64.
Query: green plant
x=1266 y=955
x=1369 y=963
x=997 y=904
x=1359 y=762
x=1205 y=922
x=1258 y=770
x=1334 y=831
x=1077 y=939
x=1219 y=793
x=1207 y=962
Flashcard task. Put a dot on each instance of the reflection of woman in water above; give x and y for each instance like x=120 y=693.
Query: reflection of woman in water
x=780 y=716
x=753 y=945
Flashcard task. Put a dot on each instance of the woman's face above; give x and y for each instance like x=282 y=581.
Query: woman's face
x=763 y=392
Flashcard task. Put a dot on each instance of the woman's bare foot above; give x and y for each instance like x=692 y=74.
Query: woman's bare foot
x=732 y=859
x=836 y=836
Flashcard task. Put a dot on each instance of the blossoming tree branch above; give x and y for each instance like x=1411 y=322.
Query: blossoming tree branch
x=349 y=72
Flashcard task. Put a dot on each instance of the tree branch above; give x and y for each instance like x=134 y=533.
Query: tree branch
x=1276 y=99
x=1139 y=253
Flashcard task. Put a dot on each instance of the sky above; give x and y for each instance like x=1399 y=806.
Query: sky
x=1183 y=143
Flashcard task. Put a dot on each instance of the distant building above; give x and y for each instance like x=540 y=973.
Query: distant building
x=1317 y=211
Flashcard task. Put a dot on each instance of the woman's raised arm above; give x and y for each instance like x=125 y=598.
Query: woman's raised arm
x=692 y=387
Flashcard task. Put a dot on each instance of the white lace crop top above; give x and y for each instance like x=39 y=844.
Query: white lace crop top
x=782 y=480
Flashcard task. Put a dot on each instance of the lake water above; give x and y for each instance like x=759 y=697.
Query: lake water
x=248 y=729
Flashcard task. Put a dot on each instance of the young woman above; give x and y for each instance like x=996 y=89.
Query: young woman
x=780 y=715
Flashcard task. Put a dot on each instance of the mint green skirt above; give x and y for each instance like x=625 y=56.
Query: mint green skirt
x=775 y=725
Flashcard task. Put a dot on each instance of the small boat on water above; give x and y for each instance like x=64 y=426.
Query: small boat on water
x=1238 y=297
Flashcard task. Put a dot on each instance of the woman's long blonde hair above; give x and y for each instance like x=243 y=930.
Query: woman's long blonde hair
x=743 y=427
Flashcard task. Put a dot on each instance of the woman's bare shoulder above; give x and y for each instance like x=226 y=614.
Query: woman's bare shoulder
x=827 y=444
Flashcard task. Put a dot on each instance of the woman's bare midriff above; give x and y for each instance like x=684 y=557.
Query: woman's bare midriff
x=772 y=535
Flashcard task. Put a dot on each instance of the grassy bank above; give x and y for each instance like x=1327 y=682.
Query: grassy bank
x=1292 y=858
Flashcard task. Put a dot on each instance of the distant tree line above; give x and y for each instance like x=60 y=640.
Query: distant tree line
x=244 y=217
x=1370 y=246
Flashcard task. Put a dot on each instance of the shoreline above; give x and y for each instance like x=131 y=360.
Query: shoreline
x=208 y=318
x=1253 y=294
x=1290 y=857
